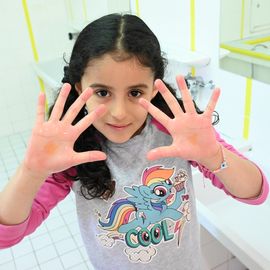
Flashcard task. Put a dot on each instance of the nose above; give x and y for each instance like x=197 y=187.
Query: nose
x=118 y=109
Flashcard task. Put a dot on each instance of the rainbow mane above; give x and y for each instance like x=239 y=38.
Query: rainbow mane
x=118 y=215
x=156 y=174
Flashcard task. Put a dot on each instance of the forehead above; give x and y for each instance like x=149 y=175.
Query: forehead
x=110 y=67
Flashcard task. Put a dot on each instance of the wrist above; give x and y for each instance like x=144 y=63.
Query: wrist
x=217 y=162
x=32 y=174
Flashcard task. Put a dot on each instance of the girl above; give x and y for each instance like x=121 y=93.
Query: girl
x=121 y=140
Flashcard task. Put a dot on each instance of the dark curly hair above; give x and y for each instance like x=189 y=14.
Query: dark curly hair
x=125 y=36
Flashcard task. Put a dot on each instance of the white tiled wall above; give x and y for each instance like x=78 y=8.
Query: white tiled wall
x=19 y=86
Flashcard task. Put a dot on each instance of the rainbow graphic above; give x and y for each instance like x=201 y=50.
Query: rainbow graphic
x=156 y=174
x=118 y=215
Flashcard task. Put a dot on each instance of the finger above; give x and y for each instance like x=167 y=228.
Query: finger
x=77 y=105
x=162 y=152
x=89 y=156
x=40 y=117
x=212 y=103
x=169 y=97
x=160 y=116
x=186 y=96
x=60 y=102
x=84 y=123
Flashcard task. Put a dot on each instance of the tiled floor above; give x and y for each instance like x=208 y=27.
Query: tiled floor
x=57 y=243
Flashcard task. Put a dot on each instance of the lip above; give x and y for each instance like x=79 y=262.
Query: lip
x=118 y=127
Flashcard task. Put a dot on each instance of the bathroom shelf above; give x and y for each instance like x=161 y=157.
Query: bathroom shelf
x=187 y=57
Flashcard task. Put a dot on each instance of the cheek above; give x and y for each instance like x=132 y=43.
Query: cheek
x=139 y=113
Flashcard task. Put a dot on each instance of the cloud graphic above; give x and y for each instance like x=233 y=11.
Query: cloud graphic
x=106 y=241
x=141 y=254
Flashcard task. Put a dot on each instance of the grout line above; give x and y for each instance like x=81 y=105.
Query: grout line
x=33 y=252
x=72 y=236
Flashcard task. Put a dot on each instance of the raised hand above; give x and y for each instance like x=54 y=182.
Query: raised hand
x=192 y=133
x=50 y=148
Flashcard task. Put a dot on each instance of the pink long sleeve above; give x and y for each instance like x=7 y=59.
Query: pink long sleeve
x=50 y=193
x=216 y=182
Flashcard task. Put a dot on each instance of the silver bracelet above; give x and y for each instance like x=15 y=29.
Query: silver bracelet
x=223 y=164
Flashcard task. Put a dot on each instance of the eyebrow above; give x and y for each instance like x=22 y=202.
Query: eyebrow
x=100 y=85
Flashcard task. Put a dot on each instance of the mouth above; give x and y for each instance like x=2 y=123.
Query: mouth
x=117 y=126
x=155 y=200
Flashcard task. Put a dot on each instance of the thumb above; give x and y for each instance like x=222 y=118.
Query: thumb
x=89 y=156
x=162 y=152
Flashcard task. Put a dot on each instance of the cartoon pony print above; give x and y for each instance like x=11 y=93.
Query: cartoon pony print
x=150 y=203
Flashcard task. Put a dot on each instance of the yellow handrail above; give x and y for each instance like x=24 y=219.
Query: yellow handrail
x=250 y=53
x=256 y=41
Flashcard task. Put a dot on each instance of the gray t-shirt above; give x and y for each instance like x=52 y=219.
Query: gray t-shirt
x=150 y=222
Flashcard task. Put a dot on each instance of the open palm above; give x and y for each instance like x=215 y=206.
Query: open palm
x=50 y=148
x=193 y=134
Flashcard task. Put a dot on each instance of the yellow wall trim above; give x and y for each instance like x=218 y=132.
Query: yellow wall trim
x=247 y=111
x=84 y=10
x=242 y=18
x=192 y=31
x=33 y=44
x=30 y=30
x=137 y=8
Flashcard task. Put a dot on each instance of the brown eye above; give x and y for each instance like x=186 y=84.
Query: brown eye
x=135 y=93
x=102 y=93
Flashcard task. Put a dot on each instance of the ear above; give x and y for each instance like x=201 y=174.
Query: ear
x=78 y=88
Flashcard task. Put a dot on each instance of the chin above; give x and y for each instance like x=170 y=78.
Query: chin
x=119 y=140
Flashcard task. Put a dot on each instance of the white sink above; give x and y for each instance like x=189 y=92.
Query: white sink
x=51 y=72
x=248 y=57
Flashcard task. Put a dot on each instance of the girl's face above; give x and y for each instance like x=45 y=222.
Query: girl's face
x=118 y=85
